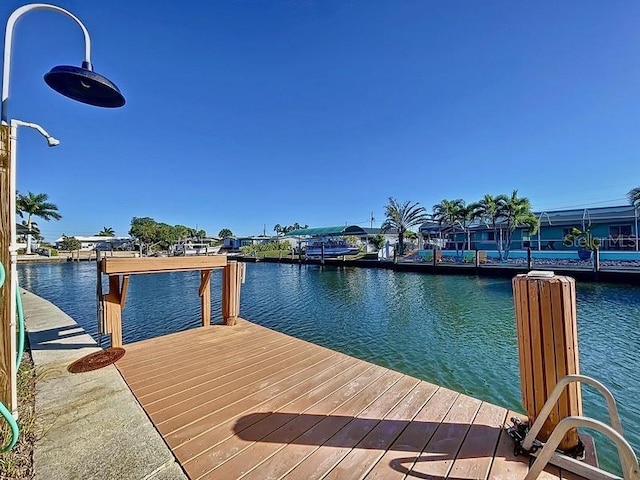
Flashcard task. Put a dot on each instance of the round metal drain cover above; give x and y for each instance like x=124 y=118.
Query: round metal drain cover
x=96 y=360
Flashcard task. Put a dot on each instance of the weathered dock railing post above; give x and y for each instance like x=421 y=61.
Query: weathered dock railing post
x=545 y=308
x=231 y=285
x=7 y=331
x=205 y=297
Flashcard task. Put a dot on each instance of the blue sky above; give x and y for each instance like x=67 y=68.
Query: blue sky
x=242 y=114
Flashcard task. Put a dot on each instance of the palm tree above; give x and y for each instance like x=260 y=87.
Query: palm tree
x=634 y=197
x=451 y=213
x=36 y=205
x=225 y=232
x=402 y=217
x=516 y=212
x=106 y=232
x=277 y=228
x=35 y=232
x=488 y=210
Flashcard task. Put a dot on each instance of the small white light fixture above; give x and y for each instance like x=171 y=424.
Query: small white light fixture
x=51 y=141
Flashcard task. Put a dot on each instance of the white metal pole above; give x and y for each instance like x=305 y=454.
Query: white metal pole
x=13 y=284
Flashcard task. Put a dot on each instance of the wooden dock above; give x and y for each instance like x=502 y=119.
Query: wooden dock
x=248 y=402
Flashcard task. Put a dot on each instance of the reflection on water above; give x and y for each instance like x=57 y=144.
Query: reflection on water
x=455 y=331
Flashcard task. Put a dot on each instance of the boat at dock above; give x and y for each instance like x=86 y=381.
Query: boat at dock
x=192 y=248
x=330 y=248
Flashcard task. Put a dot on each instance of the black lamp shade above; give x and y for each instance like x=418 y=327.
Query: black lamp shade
x=84 y=86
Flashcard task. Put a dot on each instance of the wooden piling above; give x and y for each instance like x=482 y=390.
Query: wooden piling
x=205 y=297
x=231 y=282
x=112 y=309
x=545 y=309
x=7 y=362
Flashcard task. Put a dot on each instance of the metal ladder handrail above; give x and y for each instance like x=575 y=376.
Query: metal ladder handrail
x=614 y=432
x=628 y=459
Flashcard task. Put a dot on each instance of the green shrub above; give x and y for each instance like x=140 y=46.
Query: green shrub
x=70 y=243
x=54 y=252
x=266 y=247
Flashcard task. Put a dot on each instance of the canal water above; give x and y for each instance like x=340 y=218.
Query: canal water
x=455 y=331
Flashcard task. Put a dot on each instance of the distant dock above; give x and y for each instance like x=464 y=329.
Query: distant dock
x=77 y=256
x=505 y=270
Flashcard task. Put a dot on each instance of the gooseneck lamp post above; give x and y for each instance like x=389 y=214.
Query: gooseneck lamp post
x=78 y=83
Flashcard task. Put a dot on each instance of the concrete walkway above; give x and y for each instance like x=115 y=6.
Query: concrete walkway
x=93 y=426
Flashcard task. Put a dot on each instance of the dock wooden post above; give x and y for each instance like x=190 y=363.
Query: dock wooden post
x=7 y=350
x=205 y=297
x=545 y=309
x=112 y=308
x=231 y=281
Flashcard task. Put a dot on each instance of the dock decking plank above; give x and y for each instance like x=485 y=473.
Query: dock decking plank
x=260 y=397
x=302 y=390
x=219 y=382
x=140 y=354
x=176 y=361
x=399 y=459
x=246 y=401
x=374 y=445
x=226 y=368
x=328 y=417
x=327 y=456
x=438 y=456
x=195 y=410
x=478 y=449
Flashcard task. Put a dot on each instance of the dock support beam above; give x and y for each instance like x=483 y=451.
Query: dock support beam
x=545 y=307
x=232 y=279
x=112 y=309
x=205 y=297
x=7 y=331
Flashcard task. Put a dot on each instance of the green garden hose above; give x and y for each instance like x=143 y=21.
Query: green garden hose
x=20 y=316
x=15 y=431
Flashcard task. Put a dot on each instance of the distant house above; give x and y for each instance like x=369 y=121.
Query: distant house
x=233 y=244
x=616 y=227
x=104 y=243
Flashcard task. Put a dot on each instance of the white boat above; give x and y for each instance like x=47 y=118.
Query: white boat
x=191 y=248
x=330 y=248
